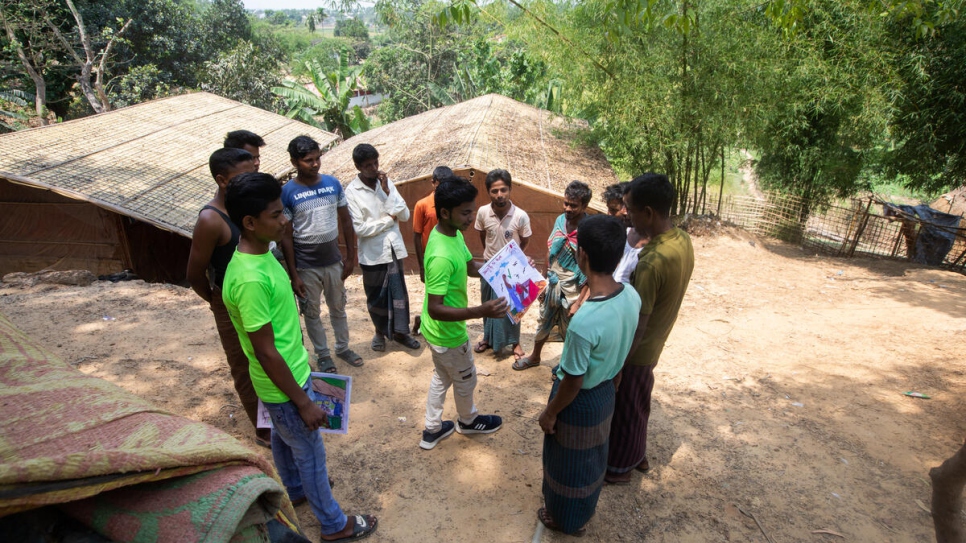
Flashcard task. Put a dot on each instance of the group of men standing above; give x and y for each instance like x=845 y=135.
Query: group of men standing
x=632 y=270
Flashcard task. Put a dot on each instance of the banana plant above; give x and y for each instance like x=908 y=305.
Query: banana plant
x=19 y=99
x=330 y=101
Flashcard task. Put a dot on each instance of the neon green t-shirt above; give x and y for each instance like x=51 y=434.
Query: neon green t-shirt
x=445 y=262
x=257 y=292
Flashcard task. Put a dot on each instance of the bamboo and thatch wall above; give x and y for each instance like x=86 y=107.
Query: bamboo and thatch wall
x=867 y=226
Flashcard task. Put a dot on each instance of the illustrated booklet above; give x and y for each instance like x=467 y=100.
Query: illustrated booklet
x=511 y=277
x=332 y=393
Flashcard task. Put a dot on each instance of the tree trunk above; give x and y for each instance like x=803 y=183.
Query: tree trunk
x=84 y=80
x=721 y=190
x=36 y=75
x=948 y=481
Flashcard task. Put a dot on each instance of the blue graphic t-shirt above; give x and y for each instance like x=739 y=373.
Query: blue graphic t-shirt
x=314 y=212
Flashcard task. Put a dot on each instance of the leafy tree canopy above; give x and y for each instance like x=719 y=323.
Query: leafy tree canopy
x=351 y=28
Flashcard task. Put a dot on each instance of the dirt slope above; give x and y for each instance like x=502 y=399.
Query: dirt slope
x=779 y=394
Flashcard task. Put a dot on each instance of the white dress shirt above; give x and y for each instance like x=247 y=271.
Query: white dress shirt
x=372 y=213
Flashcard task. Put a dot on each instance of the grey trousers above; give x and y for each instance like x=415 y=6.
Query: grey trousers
x=319 y=282
x=452 y=367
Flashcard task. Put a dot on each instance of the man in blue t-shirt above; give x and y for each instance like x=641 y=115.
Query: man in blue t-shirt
x=317 y=207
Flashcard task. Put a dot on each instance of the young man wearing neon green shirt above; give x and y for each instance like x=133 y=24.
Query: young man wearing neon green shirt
x=448 y=263
x=260 y=301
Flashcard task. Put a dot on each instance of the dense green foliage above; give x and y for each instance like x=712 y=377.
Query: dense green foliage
x=246 y=73
x=832 y=96
x=929 y=125
x=351 y=28
x=165 y=46
x=421 y=65
x=835 y=96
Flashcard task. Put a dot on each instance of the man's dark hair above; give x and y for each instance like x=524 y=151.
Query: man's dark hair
x=498 y=175
x=602 y=238
x=301 y=146
x=578 y=190
x=364 y=152
x=237 y=139
x=442 y=173
x=223 y=160
x=250 y=194
x=615 y=191
x=453 y=193
x=652 y=190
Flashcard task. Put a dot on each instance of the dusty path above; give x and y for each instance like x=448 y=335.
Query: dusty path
x=749 y=177
x=780 y=393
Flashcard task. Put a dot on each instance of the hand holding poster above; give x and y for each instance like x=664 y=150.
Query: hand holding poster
x=512 y=278
x=331 y=393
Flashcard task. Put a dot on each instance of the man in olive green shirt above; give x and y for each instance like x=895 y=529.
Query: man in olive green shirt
x=661 y=278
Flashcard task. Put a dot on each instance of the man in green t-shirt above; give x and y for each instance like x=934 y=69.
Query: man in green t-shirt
x=259 y=298
x=661 y=278
x=448 y=263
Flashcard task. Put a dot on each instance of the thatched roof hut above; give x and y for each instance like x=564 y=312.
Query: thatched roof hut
x=492 y=131
x=123 y=189
x=538 y=148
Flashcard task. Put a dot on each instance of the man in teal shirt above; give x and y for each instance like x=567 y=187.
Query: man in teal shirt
x=448 y=263
x=261 y=304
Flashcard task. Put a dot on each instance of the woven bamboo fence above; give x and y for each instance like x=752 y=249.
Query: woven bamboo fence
x=865 y=226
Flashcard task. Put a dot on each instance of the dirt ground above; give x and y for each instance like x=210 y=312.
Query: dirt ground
x=779 y=396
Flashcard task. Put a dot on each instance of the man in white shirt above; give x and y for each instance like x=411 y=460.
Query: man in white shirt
x=614 y=198
x=376 y=208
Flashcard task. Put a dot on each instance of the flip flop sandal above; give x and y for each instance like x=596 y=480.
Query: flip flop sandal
x=350 y=358
x=378 y=343
x=407 y=341
x=618 y=480
x=364 y=526
x=481 y=346
x=544 y=517
x=524 y=364
x=326 y=365
x=263 y=442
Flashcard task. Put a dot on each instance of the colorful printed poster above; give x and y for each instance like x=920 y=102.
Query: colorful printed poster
x=512 y=277
x=332 y=393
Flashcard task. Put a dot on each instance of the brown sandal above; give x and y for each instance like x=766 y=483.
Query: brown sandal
x=548 y=521
x=524 y=363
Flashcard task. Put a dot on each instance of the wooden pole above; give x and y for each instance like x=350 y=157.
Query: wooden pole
x=860 y=230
